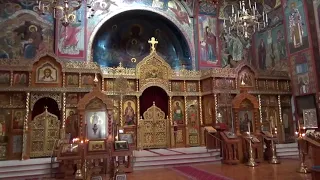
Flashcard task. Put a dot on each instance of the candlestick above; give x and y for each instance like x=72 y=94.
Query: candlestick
x=249 y=128
x=249 y=3
x=255 y=5
x=232 y=9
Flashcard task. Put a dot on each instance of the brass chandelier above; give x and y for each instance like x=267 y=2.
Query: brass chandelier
x=63 y=8
x=246 y=20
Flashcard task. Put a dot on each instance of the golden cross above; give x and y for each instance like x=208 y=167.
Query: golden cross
x=46 y=108
x=153 y=42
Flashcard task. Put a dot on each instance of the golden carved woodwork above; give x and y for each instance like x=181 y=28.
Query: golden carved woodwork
x=36 y=96
x=153 y=70
x=44 y=132
x=154 y=129
x=3 y=151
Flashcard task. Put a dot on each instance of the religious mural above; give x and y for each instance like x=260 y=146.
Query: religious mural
x=26 y=36
x=70 y=40
x=96 y=125
x=178 y=112
x=271 y=48
x=302 y=72
x=174 y=11
x=122 y=40
x=296 y=25
x=20 y=79
x=208 y=40
x=129 y=113
x=47 y=73
x=208 y=7
x=245 y=119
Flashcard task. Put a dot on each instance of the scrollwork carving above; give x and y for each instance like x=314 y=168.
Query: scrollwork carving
x=36 y=96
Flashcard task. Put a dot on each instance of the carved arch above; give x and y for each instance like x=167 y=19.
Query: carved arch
x=153 y=70
x=36 y=96
x=88 y=98
x=236 y=102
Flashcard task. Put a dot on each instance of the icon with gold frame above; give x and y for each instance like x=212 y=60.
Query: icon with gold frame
x=121 y=146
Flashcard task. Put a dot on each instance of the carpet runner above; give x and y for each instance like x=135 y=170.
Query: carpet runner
x=197 y=174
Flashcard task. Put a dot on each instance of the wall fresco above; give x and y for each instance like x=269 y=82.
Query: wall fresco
x=302 y=73
x=172 y=10
x=208 y=41
x=70 y=40
x=125 y=37
x=270 y=48
x=296 y=25
x=25 y=33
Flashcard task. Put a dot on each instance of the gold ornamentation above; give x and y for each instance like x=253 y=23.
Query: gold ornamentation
x=179 y=137
x=280 y=110
x=152 y=43
x=154 y=128
x=44 y=132
x=153 y=69
x=3 y=151
x=96 y=104
x=36 y=96
x=64 y=110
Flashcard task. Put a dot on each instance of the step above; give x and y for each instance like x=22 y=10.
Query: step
x=34 y=167
x=176 y=156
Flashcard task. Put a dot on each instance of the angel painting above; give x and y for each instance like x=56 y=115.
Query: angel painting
x=181 y=15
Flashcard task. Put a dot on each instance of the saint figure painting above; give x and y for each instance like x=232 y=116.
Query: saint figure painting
x=96 y=125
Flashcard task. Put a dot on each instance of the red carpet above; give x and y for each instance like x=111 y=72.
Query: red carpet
x=197 y=174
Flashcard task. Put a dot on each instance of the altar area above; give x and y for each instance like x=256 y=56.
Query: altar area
x=96 y=120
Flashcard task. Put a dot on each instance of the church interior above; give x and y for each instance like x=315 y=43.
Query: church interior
x=159 y=89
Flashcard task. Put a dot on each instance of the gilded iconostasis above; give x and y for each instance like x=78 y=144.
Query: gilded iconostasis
x=277 y=63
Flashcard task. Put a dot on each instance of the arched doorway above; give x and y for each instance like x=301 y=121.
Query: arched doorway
x=40 y=105
x=154 y=94
x=155 y=126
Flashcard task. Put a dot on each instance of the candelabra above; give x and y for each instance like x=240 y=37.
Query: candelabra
x=66 y=8
x=251 y=162
x=246 y=20
x=302 y=152
x=274 y=158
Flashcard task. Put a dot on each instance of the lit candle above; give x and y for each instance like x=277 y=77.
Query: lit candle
x=232 y=9
x=240 y=4
x=255 y=5
x=249 y=4
x=249 y=127
x=224 y=23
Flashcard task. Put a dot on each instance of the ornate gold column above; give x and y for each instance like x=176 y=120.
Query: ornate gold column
x=11 y=78
x=139 y=146
x=30 y=79
x=64 y=79
x=186 y=121
x=138 y=109
x=62 y=130
x=281 y=129
x=102 y=84
x=121 y=111
x=216 y=108
x=260 y=109
x=80 y=80
x=200 y=103
x=171 y=127
x=25 y=141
